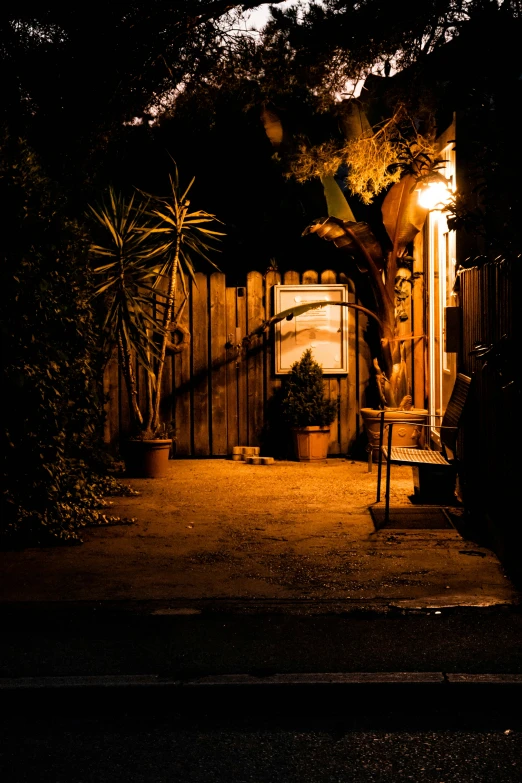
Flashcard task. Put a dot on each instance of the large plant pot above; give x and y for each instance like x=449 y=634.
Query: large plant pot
x=311 y=443
x=410 y=434
x=147 y=458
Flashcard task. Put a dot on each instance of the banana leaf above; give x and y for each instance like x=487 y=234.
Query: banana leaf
x=362 y=233
x=337 y=205
x=296 y=310
x=402 y=215
x=355 y=236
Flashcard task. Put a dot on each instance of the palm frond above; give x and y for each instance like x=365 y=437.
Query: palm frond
x=185 y=192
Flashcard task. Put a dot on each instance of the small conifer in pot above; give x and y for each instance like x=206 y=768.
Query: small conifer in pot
x=304 y=405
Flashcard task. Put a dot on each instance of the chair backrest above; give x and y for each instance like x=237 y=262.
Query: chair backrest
x=453 y=413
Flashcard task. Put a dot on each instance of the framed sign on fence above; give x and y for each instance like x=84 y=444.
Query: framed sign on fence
x=323 y=329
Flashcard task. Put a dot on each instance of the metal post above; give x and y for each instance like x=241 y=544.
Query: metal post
x=387 y=509
x=379 y=471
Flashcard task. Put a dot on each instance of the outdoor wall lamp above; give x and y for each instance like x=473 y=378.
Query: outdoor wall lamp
x=435 y=194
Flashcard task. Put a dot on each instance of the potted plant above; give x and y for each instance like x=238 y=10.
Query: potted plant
x=306 y=410
x=147 y=245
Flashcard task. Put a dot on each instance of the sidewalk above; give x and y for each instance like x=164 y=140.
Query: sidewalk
x=218 y=530
x=257 y=572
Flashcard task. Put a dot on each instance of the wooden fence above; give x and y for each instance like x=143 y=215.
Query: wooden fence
x=218 y=395
x=487 y=297
x=492 y=316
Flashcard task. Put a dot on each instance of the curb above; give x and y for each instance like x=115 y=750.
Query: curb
x=243 y=607
x=453 y=680
x=360 y=700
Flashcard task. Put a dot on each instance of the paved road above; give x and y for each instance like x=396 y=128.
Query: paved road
x=157 y=639
x=217 y=692
x=147 y=750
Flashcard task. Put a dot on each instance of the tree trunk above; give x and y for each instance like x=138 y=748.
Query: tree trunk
x=130 y=381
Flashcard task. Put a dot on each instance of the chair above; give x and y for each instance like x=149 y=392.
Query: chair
x=426 y=461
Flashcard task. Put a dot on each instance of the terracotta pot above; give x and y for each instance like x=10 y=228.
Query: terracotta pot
x=410 y=435
x=311 y=443
x=147 y=458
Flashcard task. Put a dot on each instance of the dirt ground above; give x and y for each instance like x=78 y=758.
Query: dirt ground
x=215 y=529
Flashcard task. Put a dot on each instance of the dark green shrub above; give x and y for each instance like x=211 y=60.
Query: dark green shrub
x=52 y=410
x=303 y=401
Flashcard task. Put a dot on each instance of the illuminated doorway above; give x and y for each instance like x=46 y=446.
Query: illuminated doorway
x=440 y=260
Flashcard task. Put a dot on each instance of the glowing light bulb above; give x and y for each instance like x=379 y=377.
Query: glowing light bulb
x=434 y=195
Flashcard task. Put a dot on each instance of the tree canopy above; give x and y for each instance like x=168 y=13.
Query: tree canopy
x=87 y=69
x=107 y=93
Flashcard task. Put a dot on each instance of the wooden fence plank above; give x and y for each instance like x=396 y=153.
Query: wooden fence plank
x=111 y=425
x=143 y=385
x=124 y=407
x=232 y=367
x=349 y=390
x=272 y=382
x=255 y=381
x=332 y=390
x=328 y=277
x=182 y=377
x=363 y=360
x=310 y=277
x=242 y=369
x=200 y=368
x=346 y=415
x=218 y=380
x=291 y=278
x=338 y=389
x=167 y=397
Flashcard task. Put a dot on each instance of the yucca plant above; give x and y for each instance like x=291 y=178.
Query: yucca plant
x=150 y=244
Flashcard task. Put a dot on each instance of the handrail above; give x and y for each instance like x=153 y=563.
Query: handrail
x=418 y=424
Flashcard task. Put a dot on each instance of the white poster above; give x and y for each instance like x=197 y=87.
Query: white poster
x=323 y=329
